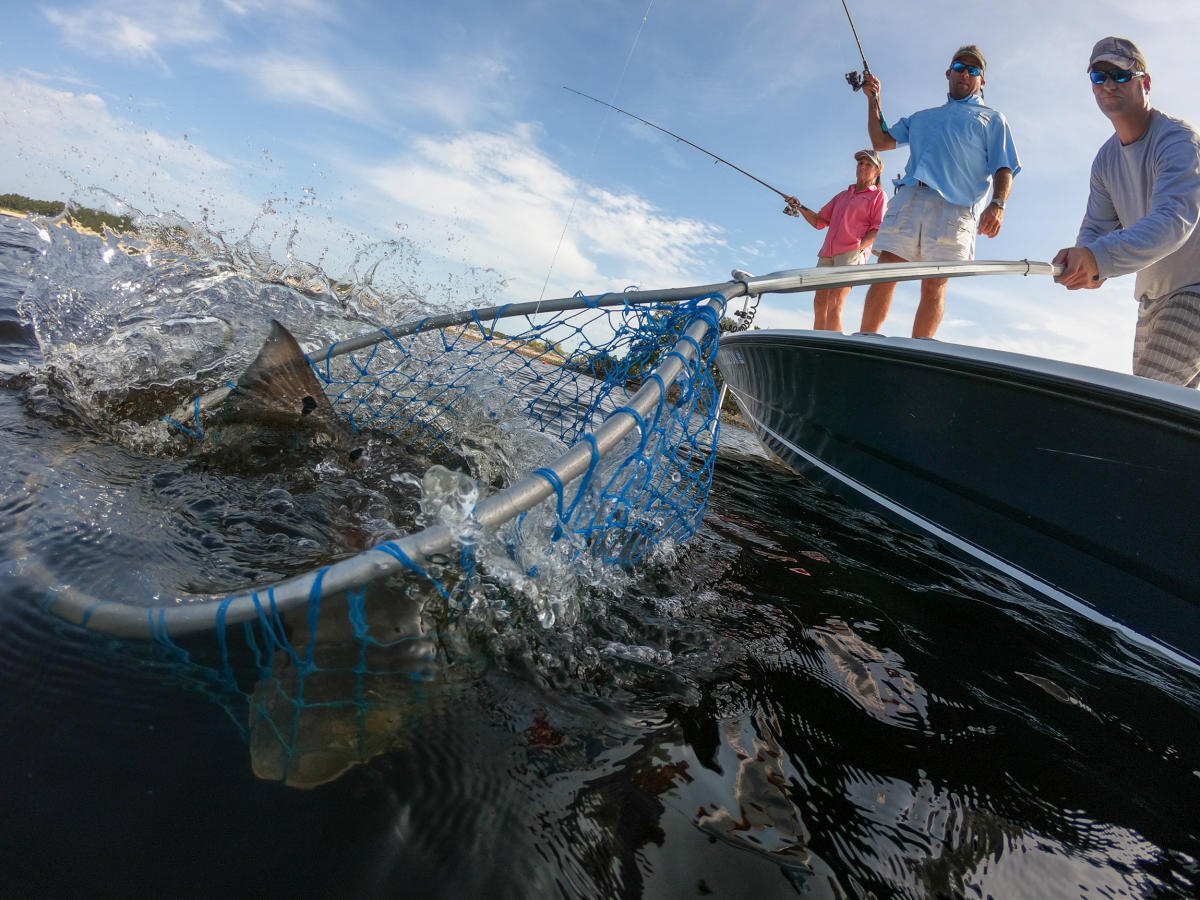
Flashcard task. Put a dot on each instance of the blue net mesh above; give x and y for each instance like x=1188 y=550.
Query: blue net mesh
x=562 y=374
x=322 y=685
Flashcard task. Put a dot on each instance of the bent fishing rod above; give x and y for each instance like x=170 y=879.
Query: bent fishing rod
x=787 y=209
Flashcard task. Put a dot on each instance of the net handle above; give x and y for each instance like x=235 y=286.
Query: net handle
x=787 y=281
x=195 y=613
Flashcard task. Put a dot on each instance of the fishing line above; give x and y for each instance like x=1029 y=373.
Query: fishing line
x=679 y=138
x=592 y=155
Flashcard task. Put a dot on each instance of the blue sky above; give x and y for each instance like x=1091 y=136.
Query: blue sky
x=442 y=131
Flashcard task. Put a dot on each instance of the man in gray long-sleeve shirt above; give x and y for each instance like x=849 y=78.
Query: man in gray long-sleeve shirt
x=1142 y=216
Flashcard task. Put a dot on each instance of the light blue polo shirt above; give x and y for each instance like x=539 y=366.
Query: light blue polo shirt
x=956 y=148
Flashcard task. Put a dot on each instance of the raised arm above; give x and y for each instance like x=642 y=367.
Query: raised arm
x=880 y=139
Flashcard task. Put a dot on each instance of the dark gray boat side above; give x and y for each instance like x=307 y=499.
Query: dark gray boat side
x=1079 y=482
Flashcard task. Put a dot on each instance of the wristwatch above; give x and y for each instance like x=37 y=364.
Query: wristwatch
x=998 y=202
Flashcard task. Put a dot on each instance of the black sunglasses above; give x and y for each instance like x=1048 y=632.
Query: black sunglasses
x=1120 y=76
x=973 y=71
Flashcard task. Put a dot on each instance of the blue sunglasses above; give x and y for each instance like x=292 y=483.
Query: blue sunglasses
x=1120 y=76
x=973 y=71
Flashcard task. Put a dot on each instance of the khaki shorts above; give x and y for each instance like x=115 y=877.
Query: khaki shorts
x=920 y=225
x=853 y=257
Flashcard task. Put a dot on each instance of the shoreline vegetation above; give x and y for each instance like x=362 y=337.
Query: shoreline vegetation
x=91 y=219
x=98 y=221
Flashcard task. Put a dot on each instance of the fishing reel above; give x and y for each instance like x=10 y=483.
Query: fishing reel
x=855 y=80
x=790 y=211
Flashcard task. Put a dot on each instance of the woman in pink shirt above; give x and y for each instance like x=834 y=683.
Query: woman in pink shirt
x=853 y=218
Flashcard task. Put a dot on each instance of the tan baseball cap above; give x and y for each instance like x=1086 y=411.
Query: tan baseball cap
x=872 y=156
x=1120 y=52
x=970 y=50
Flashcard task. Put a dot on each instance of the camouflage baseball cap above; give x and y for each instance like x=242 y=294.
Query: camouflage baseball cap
x=1120 y=52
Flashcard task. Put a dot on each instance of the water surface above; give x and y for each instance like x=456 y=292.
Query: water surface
x=804 y=701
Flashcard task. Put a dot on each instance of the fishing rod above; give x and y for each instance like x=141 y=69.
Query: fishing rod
x=787 y=209
x=854 y=79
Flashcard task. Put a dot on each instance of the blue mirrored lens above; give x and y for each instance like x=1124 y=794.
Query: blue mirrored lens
x=974 y=71
x=1120 y=76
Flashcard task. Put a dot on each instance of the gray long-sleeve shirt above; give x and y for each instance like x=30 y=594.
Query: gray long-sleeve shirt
x=1144 y=206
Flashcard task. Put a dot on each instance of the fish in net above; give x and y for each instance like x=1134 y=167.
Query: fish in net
x=332 y=666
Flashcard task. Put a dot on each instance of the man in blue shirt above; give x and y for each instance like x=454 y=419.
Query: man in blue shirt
x=956 y=153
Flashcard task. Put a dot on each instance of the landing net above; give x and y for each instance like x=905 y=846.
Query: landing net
x=328 y=669
x=625 y=382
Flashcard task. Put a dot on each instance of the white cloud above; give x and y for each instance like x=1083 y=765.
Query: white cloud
x=507 y=204
x=310 y=66
x=135 y=30
x=52 y=138
x=296 y=78
x=58 y=77
x=458 y=90
x=486 y=200
x=302 y=9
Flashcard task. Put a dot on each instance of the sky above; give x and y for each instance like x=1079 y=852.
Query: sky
x=438 y=140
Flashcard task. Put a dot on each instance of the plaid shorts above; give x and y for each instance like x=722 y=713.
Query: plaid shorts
x=1166 y=345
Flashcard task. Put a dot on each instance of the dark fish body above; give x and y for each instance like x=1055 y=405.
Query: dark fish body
x=277 y=406
x=277 y=426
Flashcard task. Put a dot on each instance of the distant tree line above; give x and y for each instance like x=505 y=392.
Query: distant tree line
x=93 y=219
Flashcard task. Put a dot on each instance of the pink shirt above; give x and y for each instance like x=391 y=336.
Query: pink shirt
x=851 y=214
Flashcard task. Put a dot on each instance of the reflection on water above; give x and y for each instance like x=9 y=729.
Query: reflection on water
x=763 y=816
x=802 y=701
x=873 y=679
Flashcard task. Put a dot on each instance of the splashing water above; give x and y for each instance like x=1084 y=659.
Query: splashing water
x=126 y=324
